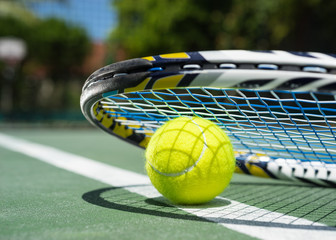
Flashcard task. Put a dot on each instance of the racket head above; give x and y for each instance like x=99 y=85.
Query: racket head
x=230 y=69
x=265 y=101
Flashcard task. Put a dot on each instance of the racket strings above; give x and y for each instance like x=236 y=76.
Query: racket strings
x=285 y=124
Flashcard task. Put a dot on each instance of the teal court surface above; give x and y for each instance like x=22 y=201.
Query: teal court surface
x=85 y=184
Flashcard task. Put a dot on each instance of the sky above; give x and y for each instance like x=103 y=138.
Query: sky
x=96 y=16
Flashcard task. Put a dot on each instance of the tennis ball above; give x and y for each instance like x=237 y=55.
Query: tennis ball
x=190 y=160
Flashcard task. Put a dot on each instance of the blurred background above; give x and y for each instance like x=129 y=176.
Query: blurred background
x=49 y=47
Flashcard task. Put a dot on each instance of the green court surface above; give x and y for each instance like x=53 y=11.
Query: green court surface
x=42 y=201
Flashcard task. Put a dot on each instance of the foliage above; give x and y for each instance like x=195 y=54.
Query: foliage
x=52 y=68
x=153 y=27
x=51 y=42
x=10 y=26
x=59 y=46
x=16 y=10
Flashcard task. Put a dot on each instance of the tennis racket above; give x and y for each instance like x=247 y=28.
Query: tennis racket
x=277 y=107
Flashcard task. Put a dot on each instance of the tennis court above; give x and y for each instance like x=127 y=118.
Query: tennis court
x=61 y=178
x=85 y=184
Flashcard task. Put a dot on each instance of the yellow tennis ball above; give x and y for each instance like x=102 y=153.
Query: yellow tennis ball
x=190 y=160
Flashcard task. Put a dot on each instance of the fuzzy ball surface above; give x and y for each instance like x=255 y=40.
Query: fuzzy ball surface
x=190 y=160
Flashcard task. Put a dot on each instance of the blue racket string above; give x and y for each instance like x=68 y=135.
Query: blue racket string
x=281 y=124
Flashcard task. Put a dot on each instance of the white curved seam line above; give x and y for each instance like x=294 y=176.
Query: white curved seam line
x=205 y=145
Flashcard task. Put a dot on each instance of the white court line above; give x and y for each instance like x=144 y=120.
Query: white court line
x=240 y=217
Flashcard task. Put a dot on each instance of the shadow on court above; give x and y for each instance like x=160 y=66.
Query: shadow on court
x=122 y=199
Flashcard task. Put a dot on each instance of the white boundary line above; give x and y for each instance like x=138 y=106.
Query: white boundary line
x=237 y=216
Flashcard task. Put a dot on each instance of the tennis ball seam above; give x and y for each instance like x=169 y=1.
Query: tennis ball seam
x=205 y=146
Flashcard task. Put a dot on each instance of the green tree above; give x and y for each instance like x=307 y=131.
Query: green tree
x=150 y=27
x=14 y=9
x=60 y=47
x=56 y=50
